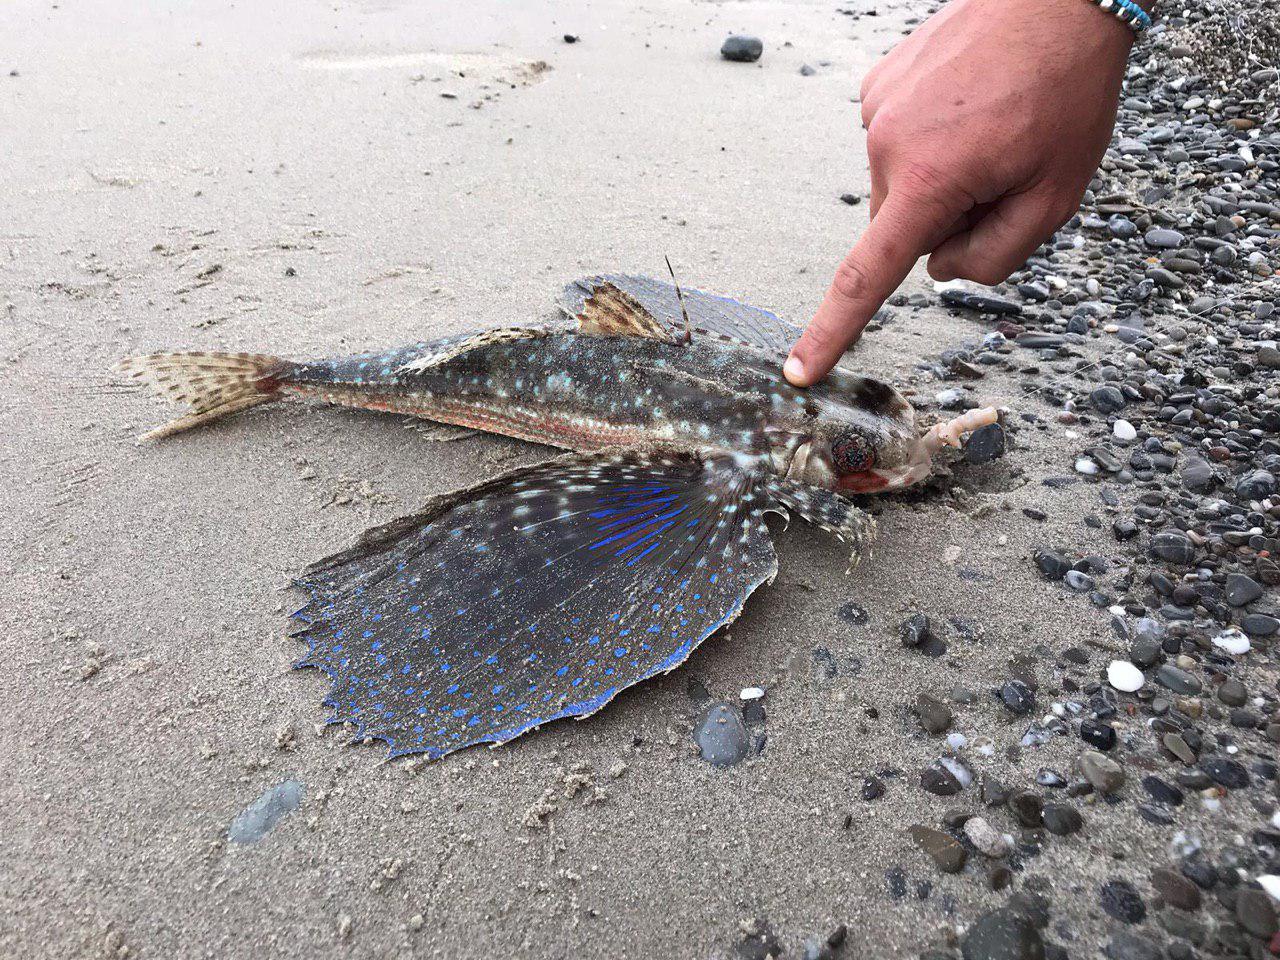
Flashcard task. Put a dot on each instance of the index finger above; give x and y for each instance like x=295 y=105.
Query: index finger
x=905 y=228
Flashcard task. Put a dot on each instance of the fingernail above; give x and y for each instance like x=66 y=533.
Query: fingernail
x=793 y=370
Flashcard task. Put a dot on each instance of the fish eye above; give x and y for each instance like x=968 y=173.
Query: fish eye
x=852 y=453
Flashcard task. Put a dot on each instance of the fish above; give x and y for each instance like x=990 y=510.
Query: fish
x=544 y=592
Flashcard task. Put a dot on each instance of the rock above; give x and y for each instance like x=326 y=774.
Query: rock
x=1233 y=693
x=1225 y=772
x=1100 y=736
x=1232 y=641
x=872 y=788
x=1176 y=889
x=1062 y=819
x=1174 y=547
x=1124 y=430
x=1197 y=475
x=1164 y=239
x=1124 y=676
x=1051 y=564
x=260 y=817
x=1017 y=697
x=1162 y=791
x=1256 y=485
x=939 y=781
x=1256 y=912
x=935 y=716
x=852 y=199
x=945 y=850
x=1121 y=901
x=1177 y=680
x=1107 y=399
x=742 y=48
x=1103 y=773
x=806 y=70
x=1128 y=945
x=1028 y=807
x=985 y=444
x=980 y=302
x=721 y=735
x=915 y=631
x=989 y=841
x=1240 y=589
x=1002 y=935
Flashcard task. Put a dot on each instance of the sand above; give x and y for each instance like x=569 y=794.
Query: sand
x=290 y=178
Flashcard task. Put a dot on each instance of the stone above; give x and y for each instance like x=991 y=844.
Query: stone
x=1017 y=697
x=1256 y=912
x=985 y=444
x=989 y=841
x=1002 y=935
x=1225 y=772
x=935 y=716
x=1177 y=679
x=939 y=781
x=1103 y=773
x=261 y=816
x=1174 y=547
x=945 y=850
x=1233 y=693
x=1240 y=589
x=742 y=48
x=1176 y=889
x=1120 y=900
x=979 y=302
x=1164 y=239
x=1062 y=819
x=1124 y=676
x=1256 y=485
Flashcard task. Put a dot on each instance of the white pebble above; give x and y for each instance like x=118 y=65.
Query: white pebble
x=1124 y=430
x=958 y=770
x=956 y=741
x=751 y=693
x=1270 y=883
x=1124 y=676
x=1232 y=641
x=1212 y=804
x=1086 y=466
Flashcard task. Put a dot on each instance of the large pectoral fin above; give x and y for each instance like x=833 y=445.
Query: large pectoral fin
x=538 y=595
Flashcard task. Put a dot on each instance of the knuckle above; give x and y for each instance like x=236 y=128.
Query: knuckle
x=852 y=280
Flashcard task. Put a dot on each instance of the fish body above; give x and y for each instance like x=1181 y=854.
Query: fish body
x=544 y=592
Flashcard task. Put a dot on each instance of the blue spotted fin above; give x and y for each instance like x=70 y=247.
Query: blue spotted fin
x=538 y=595
x=713 y=316
x=827 y=510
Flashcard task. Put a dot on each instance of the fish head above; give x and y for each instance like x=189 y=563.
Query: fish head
x=858 y=436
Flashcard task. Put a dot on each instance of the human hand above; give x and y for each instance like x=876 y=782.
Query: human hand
x=984 y=128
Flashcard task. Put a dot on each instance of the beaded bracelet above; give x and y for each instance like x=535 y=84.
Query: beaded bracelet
x=1128 y=11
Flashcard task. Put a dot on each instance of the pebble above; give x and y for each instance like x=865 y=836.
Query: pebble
x=1120 y=900
x=979 y=302
x=1103 y=773
x=1124 y=430
x=945 y=850
x=939 y=781
x=721 y=735
x=1164 y=239
x=985 y=444
x=1128 y=945
x=1176 y=889
x=986 y=838
x=1124 y=676
x=935 y=716
x=1256 y=912
x=1017 y=697
x=1174 y=547
x=1232 y=641
x=1241 y=589
x=742 y=48
x=260 y=817
x=1062 y=819
x=1177 y=680
x=1225 y=772
x=1002 y=935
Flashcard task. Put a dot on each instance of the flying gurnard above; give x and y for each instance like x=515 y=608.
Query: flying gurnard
x=544 y=592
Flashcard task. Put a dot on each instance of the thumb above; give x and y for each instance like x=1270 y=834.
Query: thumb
x=906 y=226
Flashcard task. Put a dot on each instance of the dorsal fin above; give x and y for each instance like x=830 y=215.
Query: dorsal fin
x=610 y=312
x=444 y=350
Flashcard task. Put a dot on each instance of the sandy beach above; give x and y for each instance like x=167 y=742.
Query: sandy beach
x=310 y=179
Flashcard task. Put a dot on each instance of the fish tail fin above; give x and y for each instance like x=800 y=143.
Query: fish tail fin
x=213 y=385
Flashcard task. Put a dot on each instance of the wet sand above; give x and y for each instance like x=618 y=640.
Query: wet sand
x=293 y=179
